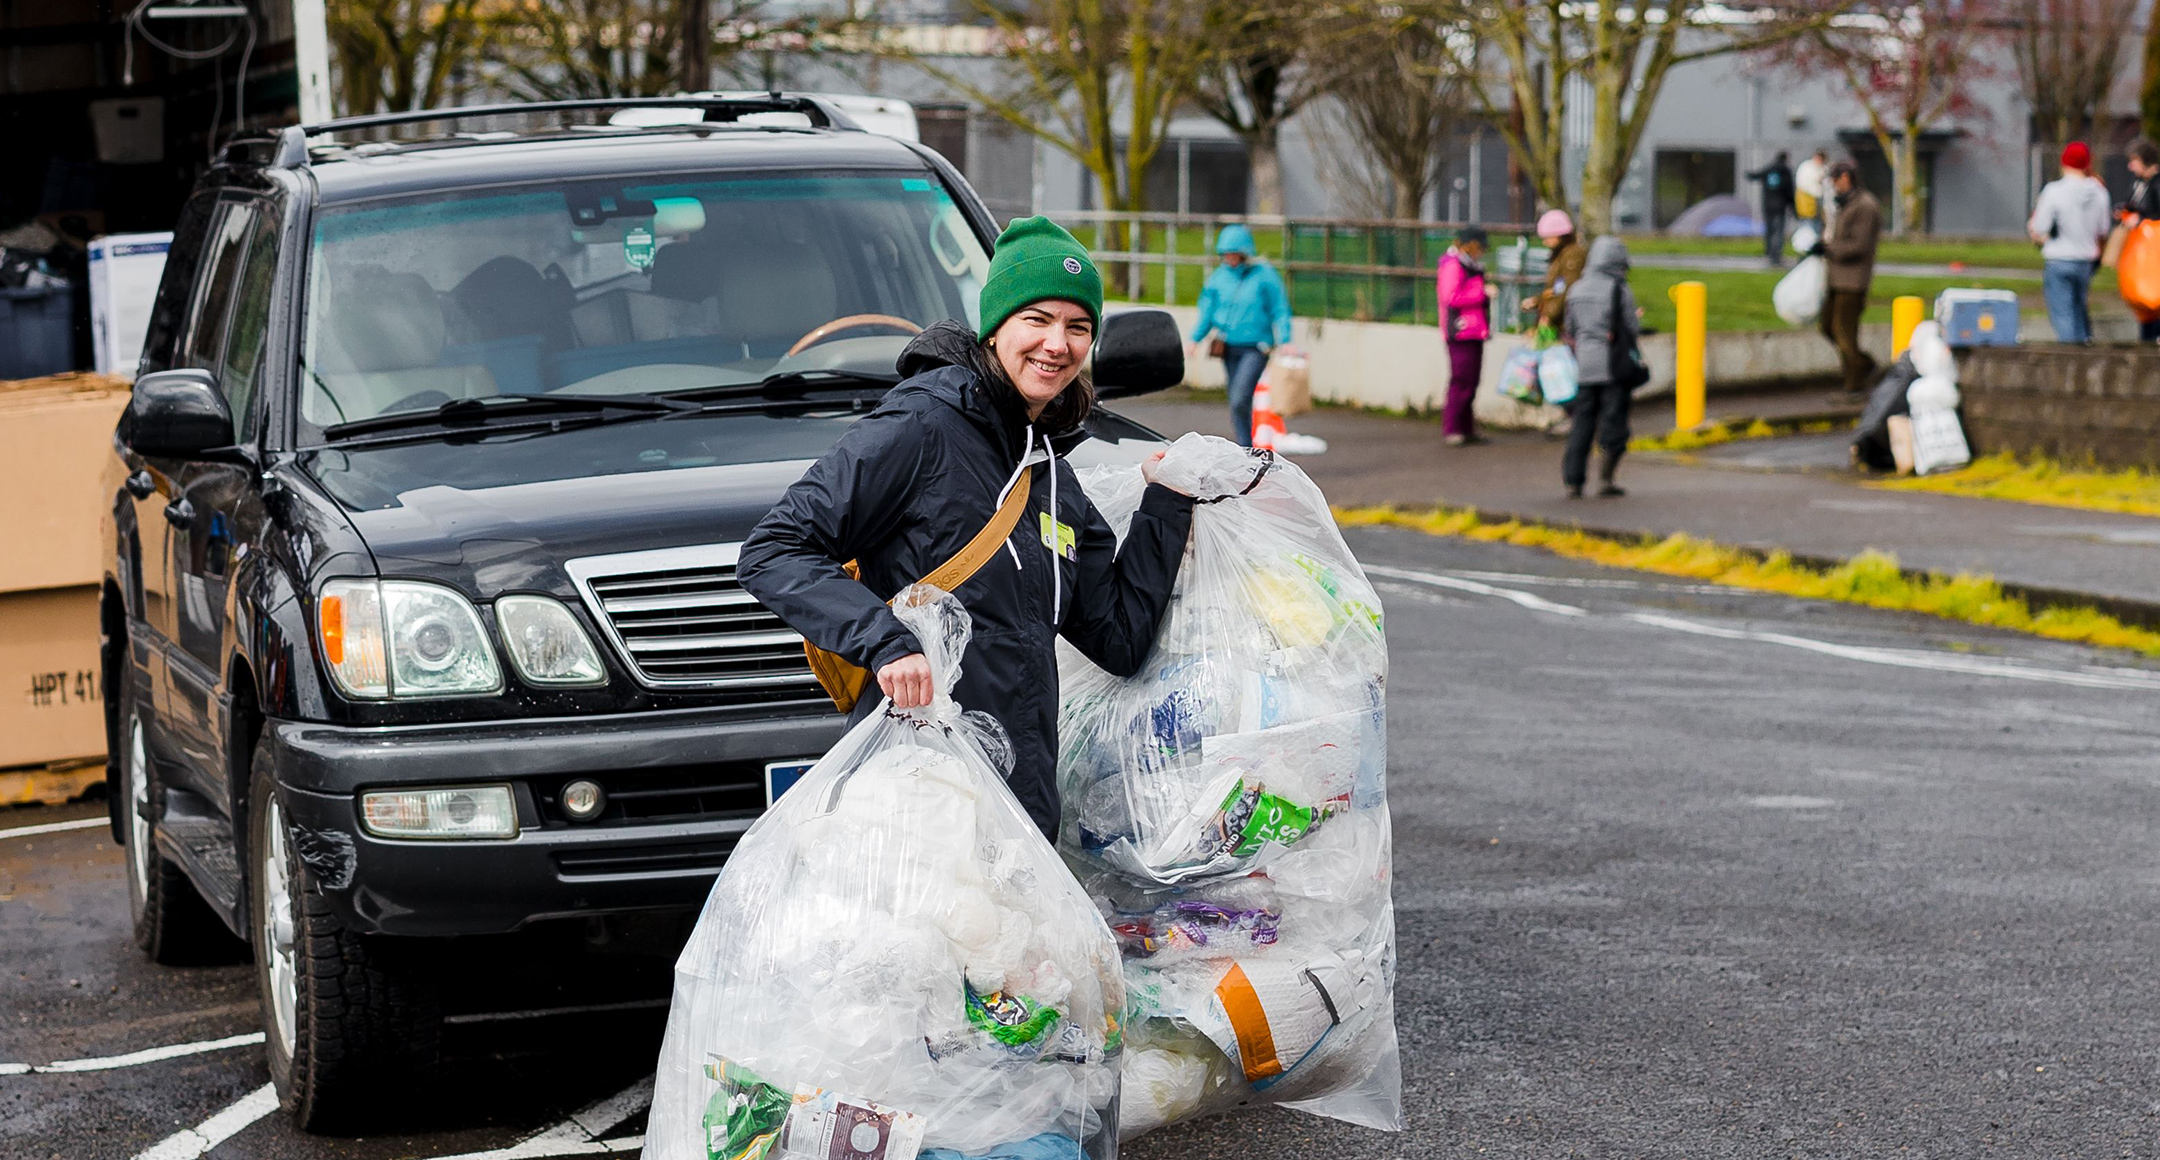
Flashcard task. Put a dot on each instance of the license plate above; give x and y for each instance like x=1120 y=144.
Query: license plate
x=780 y=776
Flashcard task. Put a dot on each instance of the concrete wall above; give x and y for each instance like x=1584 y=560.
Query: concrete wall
x=2097 y=403
x=1395 y=367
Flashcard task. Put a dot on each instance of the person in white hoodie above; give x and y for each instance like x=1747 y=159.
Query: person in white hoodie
x=2071 y=224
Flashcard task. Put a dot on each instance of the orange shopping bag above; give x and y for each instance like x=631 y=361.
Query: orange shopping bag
x=2137 y=272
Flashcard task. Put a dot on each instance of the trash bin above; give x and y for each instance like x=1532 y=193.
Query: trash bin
x=37 y=335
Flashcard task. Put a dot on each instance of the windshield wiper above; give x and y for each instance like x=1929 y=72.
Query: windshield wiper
x=482 y=411
x=791 y=384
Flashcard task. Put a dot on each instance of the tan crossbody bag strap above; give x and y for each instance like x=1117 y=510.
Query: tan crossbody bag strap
x=844 y=681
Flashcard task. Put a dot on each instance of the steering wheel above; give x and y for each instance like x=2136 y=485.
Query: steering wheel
x=826 y=331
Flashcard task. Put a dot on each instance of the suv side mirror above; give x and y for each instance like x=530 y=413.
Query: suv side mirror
x=178 y=415
x=1138 y=351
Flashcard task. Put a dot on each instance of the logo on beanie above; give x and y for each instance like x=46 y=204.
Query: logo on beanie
x=1072 y=265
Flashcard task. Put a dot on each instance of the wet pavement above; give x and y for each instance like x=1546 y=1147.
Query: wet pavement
x=1681 y=871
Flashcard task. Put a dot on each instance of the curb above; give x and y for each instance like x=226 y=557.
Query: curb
x=51 y=785
x=2136 y=613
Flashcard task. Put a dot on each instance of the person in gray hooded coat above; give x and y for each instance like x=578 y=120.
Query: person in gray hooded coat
x=1598 y=332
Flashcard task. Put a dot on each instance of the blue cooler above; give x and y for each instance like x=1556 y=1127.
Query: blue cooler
x=1978 y=317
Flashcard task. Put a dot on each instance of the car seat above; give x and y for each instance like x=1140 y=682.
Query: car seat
x=382 y=346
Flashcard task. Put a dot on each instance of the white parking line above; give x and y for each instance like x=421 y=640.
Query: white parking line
x=190 y=1143
x=1528 y=600
x=579 y=1135
x=133 y=1058
x=54 y=828
x=2088 y=678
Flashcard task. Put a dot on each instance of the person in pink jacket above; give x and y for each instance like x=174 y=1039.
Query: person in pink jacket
x=1465 y=323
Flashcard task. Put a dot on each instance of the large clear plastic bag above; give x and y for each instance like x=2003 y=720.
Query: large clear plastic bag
x=895 y=963
x=1226 y=807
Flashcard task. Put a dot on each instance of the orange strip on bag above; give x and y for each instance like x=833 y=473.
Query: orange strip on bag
x=1255 y=1041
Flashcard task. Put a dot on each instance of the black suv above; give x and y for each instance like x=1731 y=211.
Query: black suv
x=421 y=617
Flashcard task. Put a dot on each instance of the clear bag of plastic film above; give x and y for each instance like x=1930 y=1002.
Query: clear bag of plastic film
x=894 y=963
x=1227 y=808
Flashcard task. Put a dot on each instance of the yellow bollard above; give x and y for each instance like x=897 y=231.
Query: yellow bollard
x=1906 y=311
x=1691 y=301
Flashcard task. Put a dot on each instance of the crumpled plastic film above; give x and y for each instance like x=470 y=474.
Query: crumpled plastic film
x=1226 y=808
x=894 y=963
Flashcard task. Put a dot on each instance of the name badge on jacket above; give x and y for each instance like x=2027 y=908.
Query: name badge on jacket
x=1059 y=538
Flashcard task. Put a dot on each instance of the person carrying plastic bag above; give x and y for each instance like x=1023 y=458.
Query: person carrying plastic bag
x=1227 y=807
x=894 y=963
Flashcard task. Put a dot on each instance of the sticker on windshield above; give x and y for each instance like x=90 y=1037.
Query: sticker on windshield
x=637 y=248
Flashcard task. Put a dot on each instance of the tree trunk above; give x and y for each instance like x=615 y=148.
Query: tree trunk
x=1264 y=148
x=1601 y=161
x=2149 y=90
x=1408 y=194
x=1912 y=200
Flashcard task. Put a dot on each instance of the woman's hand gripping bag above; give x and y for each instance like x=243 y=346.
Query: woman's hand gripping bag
x=1226 y=806
x=894 y=963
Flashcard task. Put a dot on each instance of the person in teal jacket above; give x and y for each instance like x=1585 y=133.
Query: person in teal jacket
x=1245 y=302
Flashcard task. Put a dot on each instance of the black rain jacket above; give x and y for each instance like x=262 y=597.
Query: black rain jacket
x=905 y=489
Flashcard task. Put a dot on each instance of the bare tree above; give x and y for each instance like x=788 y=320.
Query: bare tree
x=1076 y=69
x=1400 y=104
x=1910 y=66
x=394 y=55
x=1266 y=60
x=1624 y=53
x=2149 y=82
x=2068 y=52
x=585 y=49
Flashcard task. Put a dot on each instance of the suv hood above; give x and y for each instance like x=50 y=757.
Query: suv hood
x=517 y=536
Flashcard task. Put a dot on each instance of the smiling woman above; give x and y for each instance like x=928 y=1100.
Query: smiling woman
x=631 y=286
x=960 y=474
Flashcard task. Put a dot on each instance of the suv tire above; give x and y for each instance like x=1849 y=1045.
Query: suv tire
x=173 y=925
x=345 y=1015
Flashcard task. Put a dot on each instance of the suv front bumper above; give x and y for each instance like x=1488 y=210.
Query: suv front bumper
x=551 y=869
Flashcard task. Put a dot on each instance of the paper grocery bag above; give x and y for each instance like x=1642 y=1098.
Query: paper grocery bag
x=1289 y=380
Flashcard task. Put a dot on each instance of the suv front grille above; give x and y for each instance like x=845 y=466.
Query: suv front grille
x=678 y=619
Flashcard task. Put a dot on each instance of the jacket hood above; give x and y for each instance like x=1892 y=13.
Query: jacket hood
x=1608 y=255
x=947 y=363
x=1235 y=239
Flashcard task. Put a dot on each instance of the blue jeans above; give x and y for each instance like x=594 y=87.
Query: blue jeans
x=1242 y=366
x=2066 y=283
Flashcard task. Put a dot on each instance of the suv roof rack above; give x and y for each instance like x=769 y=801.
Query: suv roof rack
x=292 y=140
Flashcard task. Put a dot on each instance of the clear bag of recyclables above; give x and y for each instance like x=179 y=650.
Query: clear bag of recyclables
x=1226 y=807
x=894 y=963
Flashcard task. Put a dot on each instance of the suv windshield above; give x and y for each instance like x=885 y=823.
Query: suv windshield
x=639 y=286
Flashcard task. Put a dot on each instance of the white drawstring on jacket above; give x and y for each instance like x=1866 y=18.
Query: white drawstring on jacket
x=1057 y=576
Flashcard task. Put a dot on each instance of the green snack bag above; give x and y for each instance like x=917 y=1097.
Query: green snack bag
x=743 y=1117
x=1253 y=817
x=1013 y=1020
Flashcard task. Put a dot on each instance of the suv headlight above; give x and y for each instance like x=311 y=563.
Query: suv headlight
x=546 y=644
x=400 y=638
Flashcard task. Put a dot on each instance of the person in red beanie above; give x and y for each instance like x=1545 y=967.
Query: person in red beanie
x=2071 y=224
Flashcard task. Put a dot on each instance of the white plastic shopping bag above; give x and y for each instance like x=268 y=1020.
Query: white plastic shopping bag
x=1227 y=807
x=1798 y=296
x=1557 y=374
x=894 y=963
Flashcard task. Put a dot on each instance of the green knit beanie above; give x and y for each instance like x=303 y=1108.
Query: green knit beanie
x=1035 y=260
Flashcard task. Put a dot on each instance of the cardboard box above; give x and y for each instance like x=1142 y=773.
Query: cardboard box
x=55 y=449
x=124 y=274
x=52 y=705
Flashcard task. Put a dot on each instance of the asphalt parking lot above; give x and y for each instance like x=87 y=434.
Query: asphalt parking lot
x=1680 y=872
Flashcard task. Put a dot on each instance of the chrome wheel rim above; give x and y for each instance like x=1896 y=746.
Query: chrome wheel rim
x=277 y=929
x=138 y=819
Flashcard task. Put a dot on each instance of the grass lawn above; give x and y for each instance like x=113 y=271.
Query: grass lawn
x=2005 y=253
x=1740 y=299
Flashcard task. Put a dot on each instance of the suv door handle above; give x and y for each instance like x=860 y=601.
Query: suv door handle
x=140 y=484
x=180 y=513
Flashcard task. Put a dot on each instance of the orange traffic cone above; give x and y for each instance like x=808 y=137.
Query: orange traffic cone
x=1267 y=423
